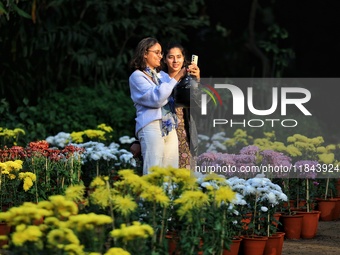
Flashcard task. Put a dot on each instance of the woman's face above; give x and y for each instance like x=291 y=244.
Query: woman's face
x=174 y=60
x=153 y=56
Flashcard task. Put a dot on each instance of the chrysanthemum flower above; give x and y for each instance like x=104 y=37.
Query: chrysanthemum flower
x=156 y=194
x=224 y=194
x=124 y=204
x=136 y=230
x=117 y=251
x=75 y=193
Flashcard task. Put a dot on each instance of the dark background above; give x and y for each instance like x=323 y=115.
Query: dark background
x=313 y=28
x=67 y=68
x=314 y=36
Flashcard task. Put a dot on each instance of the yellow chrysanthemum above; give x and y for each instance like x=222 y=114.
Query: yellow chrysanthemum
x=191 y=200
x=101 y=196
x=184 y=177
x=157 y=174
x=3 y=238
x=25 y=234
x=300 y=138
x=97 y=182
x=306 y=147
x=279 y=146
x=28 y=183
x=52 y=221
x=106 y=128
x=321 y=149
x=291 y=139
x=136 y=230
x=25 y=214
x=71 y=236
x=327 y=158
x=15 y=165
x=19 y=131
x=317 y=141
x=117 y=251
x=293 y=151
x=62 y=236
x=125 y=205
x=131 y=180
x=77 y=137
x=45 y=205
x=269 y=135
x=74 y=249
x=83 y=222
x=95 y=134
x=331 y=147
x=213 y=177
x=156 y=194
x=224 y=194
x=64 y=207
x=75 y=193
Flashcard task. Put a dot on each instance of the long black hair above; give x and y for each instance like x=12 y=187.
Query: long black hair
x=170 y=46
x=138 y=60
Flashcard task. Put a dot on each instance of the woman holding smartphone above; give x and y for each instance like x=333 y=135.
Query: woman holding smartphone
x=175 y=60
x=156 y=119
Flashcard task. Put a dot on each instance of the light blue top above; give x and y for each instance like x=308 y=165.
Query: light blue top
x=148 y=98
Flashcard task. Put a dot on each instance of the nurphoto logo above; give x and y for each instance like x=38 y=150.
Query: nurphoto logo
x=244 y=104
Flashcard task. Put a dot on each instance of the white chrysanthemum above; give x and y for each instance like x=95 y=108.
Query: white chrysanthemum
x=95 y=156
x=126 y=158
x=272 y=198
x=239 y=200
x=203 y=138
x=126 y=139
x=61 y=139
x=235 y=212
x=114 y=146
x=264 y=208
x=205 y=184
x=283 y=197
x=249 y=190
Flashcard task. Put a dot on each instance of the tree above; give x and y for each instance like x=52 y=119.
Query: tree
x=51 y=45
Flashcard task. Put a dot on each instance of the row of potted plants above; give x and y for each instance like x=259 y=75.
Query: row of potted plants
x=201 y=213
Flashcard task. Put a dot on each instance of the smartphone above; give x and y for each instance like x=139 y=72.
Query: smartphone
x=194 y=58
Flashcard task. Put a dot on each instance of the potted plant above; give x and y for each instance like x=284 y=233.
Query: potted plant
x=14 y=183
x=310 y=218
x=221 y=227
x=262 y=197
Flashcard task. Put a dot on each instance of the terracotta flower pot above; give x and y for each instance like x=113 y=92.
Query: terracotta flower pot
x=234 y=247
x=253 y=245
x=4 y=230
x=246 y=220
x=326 y=207
x=282 y=237
x=336 y=210
x=273 y=245
x=338 y=187
x=310 y=222
x=292 y=225
x=277 y=219
x=172 y=243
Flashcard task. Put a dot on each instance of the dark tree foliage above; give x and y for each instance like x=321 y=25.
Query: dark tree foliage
x=51 y=45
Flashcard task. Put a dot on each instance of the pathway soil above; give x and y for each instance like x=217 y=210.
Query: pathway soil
x=326 y=241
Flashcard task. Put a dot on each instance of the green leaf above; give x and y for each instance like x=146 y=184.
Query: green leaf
x=2 y=9
x=21 y=12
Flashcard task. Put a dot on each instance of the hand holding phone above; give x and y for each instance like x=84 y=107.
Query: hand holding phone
x=194 y=70
x=194 y=58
